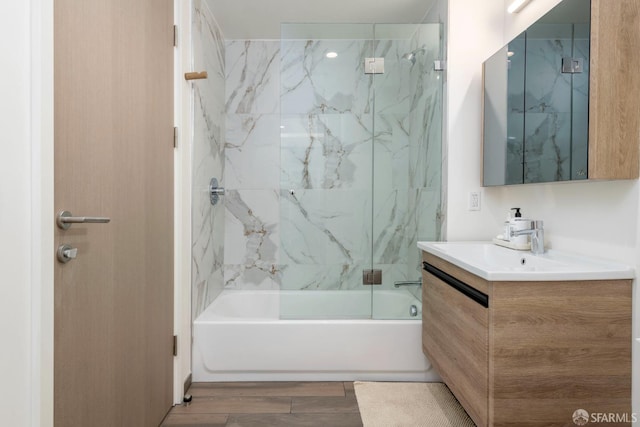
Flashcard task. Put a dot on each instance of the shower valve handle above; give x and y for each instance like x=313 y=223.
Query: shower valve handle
x=215 y=191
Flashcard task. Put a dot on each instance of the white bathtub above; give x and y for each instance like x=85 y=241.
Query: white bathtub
x=242 y=337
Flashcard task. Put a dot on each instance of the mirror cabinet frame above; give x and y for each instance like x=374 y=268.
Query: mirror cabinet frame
x=614 y=88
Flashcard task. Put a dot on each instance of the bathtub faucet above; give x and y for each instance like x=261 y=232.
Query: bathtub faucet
x=408 y=283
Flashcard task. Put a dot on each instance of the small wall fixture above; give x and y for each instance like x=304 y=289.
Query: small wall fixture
x=195 y=75
x=517 y=5
x=215 y=191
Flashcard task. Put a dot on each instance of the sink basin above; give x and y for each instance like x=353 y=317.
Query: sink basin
x=496 y=263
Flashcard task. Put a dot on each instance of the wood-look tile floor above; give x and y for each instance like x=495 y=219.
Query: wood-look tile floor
x=265 y=404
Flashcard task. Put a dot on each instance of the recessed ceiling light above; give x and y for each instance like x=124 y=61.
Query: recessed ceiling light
x=332 y=55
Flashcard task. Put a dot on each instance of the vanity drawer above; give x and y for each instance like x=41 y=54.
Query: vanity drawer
x=455 y=339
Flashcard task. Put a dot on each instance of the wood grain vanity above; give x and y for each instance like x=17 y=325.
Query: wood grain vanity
x=525 y=353
x=614 y=122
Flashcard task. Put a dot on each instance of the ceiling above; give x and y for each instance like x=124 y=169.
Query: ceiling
x=261 y=19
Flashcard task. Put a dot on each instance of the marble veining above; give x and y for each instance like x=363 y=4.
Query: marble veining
x=252 y=80
x=252 y=151
x=251 y=222
x=306 y=72
x=322 y=276
x=326 y=151
x=388 y=162
x=326 y=227
x=328 y=170
x=208 y=154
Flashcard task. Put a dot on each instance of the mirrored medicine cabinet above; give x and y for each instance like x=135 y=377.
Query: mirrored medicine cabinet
x=545 y=115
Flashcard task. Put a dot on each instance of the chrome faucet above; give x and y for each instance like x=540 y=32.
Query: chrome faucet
x=537 y=236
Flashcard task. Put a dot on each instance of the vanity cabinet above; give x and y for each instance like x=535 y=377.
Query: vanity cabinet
x=458 y=334
x=528 y=353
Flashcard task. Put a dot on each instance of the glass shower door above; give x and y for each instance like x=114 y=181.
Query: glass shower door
x=327 y=130
x=360 y=166
x=407 y=153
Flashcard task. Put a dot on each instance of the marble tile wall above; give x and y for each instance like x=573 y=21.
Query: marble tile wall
x=304 y=145
x=252 y=169
x=327 y=129
x=208 y=157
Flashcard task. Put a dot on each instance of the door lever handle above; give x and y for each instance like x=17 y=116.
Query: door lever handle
x=64 y=219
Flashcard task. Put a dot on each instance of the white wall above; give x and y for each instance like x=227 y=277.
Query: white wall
x=474 y=33
x=15 y=214
x=26 y=212
x=593 y=218
x=182 y=167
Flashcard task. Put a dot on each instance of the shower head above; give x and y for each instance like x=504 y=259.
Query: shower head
x=411 y=56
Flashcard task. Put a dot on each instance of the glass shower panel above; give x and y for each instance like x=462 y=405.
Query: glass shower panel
x=547 y=123
x=327 y=128
x=407 y=153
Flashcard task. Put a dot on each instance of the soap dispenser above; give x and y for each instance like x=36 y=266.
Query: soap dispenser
x=518 y=223
x=517 y=214
x=506 y=230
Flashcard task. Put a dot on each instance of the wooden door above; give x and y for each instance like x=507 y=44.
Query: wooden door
x=113 y=94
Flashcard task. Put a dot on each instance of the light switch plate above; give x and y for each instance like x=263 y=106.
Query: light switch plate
x=474 y=201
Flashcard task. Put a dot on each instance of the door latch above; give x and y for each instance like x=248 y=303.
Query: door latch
x=66 y=253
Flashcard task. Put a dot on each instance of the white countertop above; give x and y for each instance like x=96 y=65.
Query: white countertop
x=496 y=263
